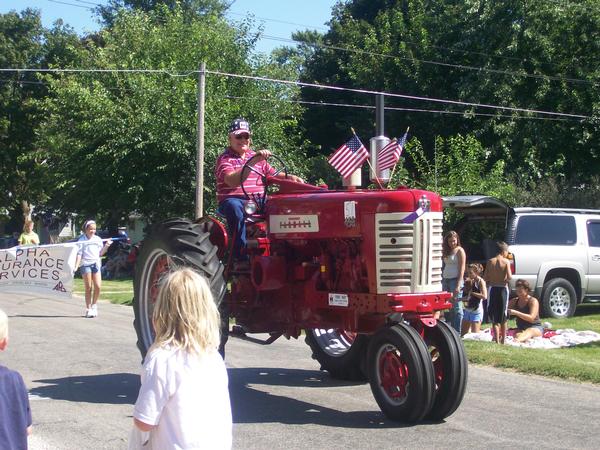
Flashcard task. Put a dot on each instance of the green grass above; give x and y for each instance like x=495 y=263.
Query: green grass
x=580 y=363
x=115 y=291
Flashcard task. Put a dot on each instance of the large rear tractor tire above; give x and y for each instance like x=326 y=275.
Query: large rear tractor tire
x=174 y=243
x=450 y=369
x=342 y=354
x=401 y=373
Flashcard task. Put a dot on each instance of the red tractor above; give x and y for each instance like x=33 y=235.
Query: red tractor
x=358 y=270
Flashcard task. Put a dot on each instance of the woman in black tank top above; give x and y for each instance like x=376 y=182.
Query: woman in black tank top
x=525 y=309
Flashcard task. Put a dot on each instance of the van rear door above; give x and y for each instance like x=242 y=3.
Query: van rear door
x=482 y=223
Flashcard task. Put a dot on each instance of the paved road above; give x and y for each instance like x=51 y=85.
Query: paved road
x=82 y=376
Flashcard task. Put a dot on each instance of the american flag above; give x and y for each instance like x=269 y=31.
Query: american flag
x=389 y=155
x=349 y=156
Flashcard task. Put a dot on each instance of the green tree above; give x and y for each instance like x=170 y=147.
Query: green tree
x=191 y=8
x=121 y=142
x=25 y=44
x=533 y=54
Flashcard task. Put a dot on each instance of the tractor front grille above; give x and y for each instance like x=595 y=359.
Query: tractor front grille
x=408 y=255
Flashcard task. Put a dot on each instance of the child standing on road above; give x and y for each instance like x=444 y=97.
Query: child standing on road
x=15 y=414
x=497 y=275
x=184 y=398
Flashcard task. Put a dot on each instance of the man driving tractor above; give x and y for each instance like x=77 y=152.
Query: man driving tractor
x=228 y=173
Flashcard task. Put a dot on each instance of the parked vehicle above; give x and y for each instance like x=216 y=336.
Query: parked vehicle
x=358 y=270
x=556 y=249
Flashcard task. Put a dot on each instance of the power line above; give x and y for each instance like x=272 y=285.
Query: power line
x=388 y=94
x=392 y=108
x=431 y=62
x=303 y=84
x=70 y=4
x=266 y=19
x=342 y=105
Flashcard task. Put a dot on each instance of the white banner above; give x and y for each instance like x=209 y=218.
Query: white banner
x=40 y=271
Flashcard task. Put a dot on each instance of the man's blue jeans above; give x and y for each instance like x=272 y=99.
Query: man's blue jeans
x=233 y=210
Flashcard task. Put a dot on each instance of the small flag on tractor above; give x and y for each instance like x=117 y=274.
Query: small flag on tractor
x=389 y=155
x=349 y=156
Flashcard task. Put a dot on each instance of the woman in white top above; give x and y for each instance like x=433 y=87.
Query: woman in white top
x=91 y=249
x=452 y=277
x=184 y=400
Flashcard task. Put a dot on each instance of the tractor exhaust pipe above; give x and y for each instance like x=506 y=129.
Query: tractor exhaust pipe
x=378 y=142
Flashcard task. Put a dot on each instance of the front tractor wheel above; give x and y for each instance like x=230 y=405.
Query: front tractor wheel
x=174 y=243
x=339 y=352
x=401 y=373
x=450 y=369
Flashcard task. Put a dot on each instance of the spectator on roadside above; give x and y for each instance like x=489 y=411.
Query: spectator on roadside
x=497 y=275
x=13 y=241
x=29 y=237
x=184 y=399
x=15 y=413
x=91 y=249
x=525 y=309
x=454 y=259
x=476 y=291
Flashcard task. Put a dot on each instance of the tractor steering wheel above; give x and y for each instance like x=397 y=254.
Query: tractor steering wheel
x=258 y=198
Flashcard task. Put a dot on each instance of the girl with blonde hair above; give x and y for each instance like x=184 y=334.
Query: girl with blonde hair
x=89 y=262
x=184 y=399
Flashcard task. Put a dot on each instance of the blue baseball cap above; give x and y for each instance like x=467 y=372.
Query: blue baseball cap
x=239 y=126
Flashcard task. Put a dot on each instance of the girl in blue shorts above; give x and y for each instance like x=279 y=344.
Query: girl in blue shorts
x=91 y=249
x=473 y=309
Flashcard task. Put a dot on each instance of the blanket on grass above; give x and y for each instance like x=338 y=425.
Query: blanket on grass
x=550 y=338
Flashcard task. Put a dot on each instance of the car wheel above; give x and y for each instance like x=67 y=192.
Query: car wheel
x=558 y=299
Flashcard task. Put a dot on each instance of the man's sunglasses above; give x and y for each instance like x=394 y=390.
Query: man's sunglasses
x=242 y=136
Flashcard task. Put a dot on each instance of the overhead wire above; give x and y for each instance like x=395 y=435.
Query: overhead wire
x=304 y=85
x=393 y=108
x=431 y=62
x=70 y=4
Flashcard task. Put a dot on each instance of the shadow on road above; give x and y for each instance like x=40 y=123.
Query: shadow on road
x=113 y=388
x=30 y=316
x=250 y=405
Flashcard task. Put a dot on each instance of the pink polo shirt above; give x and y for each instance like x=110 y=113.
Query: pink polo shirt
x=228 y=162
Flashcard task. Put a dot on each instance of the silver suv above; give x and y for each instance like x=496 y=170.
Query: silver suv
x=556 y=249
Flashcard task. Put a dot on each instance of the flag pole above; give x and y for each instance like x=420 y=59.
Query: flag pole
x=369 y=163
x=376 y=177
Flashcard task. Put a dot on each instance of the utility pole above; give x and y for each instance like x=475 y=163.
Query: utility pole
x=200 y=143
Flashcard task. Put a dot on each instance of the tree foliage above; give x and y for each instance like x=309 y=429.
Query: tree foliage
x=531 y=54
x=119 y=142
x=25 y=44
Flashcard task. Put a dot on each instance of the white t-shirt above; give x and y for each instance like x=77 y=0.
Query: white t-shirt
x=187 y=396
x=90 y=250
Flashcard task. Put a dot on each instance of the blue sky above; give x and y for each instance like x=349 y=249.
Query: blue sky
x=280 y=17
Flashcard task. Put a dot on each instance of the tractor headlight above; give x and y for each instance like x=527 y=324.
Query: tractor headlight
x=250 y=207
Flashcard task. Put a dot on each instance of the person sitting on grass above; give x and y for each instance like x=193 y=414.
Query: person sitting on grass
x=525 y=309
